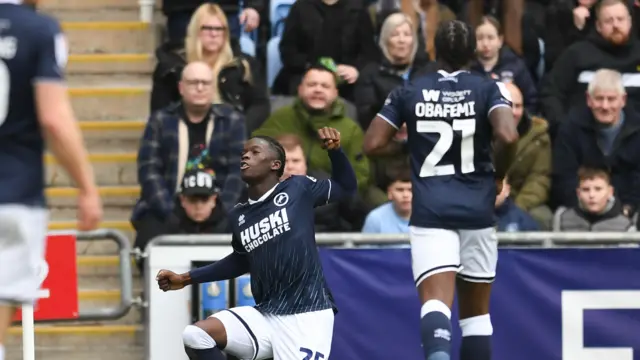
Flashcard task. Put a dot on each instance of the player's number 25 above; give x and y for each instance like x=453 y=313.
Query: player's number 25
x=430 y=165
x=309 y=354
x=4 y=92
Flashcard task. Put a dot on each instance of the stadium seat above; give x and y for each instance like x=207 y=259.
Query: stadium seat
x=274 y=64
x=279 y=9
x=247 y=45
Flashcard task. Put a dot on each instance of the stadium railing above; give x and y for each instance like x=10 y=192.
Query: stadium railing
x=178 y=253
x=29 y=317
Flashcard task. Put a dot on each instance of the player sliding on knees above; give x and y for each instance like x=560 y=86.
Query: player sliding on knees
x=273 y=240
x=452 y=119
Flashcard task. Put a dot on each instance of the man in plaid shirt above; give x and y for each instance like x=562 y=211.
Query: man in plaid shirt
x=191 y=134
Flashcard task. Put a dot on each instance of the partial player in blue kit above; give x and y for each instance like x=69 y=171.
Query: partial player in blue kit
x=274 y=241
x=454 y=119
x=34 y=104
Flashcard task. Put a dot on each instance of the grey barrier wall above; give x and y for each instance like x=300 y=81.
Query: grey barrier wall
x=355 y=240
x=126 y=277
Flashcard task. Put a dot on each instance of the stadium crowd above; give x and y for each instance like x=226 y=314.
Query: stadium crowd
x=572 y=67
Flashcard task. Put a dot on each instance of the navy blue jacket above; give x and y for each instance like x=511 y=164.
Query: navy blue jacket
x=511 y=68
x=577 y=145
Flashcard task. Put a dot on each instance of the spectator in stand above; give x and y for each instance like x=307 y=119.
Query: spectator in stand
x=179 y=12
x=191 y=134
x=511 y=218
x=568 y=21
x=398 y=42
x=336 y=29
x=530 y=174
x=239 y=78
x=393 y=217
x=425 y=16
x=333 y=217
x=500 y=63
x=611 y=46
x=521 y=32
x=598 y=209
x=199 y=211
x=317 y=106
x=607 y=134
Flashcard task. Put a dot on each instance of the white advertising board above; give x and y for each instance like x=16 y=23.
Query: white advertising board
x=169 y=312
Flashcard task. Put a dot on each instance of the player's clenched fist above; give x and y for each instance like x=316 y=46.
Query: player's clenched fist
x=168 y=280
x=330 y=138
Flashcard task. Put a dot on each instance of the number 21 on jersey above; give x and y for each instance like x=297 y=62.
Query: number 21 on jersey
x=430 y=165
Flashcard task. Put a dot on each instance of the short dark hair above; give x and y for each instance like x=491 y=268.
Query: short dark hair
x=277 y=149
x=593 y=172
x=455 y=44
x=401 y=173
x=321 y=67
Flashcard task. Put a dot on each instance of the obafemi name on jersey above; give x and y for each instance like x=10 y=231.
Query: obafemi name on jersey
x=450 y=144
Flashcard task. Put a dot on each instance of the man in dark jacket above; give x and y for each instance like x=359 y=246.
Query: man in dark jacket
x=190 y=135
x=611 y=46
x=606 y=134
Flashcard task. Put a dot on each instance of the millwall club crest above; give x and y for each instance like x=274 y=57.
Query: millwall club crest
x=281 y=199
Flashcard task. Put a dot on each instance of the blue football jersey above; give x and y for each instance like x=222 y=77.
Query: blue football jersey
x=32 y=50
x=450 y=144
x=277 y=235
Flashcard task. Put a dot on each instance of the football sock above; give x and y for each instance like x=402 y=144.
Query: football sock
x=1 y=352
x=199 y=345
x=476 y=338
x=436 y=330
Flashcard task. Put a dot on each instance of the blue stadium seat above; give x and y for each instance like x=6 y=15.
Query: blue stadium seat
x=247 y=45
x=274 y=63
x=279 y=9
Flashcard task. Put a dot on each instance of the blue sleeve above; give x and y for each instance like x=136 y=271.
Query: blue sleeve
x=391 y=111
x=343 y=182
x=371 y=224
x=499 y=96
x=52 y=54
x=230 y=267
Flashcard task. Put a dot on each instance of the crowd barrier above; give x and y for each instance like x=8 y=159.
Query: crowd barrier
x=564 y=296
x=58 y=295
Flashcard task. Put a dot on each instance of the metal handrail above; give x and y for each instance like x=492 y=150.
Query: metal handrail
x=358 y=239
x=126 y=276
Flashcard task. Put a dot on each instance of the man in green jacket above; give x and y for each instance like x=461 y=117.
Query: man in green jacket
x=530 y=174
x=317 y=106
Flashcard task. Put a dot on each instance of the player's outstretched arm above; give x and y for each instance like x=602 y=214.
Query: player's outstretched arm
x=342 y=173
x=232 y=266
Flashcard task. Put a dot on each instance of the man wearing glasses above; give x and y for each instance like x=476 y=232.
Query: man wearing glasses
x=192 y=134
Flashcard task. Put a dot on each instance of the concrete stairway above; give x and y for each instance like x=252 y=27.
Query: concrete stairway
x=109 y=76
